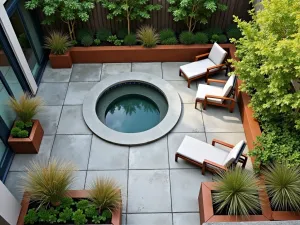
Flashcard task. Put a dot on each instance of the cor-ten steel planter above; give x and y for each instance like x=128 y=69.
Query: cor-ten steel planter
x=75 y=194
x=61 y=61
x=30 y=145
x=207 y=212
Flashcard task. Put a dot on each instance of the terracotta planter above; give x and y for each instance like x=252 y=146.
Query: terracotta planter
x=207 y=212
x=75 y=194
x=122 y=54
x=60 y=61
x=30 y=145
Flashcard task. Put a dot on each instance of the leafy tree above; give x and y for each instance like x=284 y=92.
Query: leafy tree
x=269 y=54
x=67 y=10
x=129 y=9
x=193 y=12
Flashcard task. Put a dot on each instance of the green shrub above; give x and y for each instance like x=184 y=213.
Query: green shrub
x=121 y=33
x=23 y=134
x=170 y=41
x=58 y=43
x=234 y=33
x=214 y=38
x=15 y=132
x=48 y=182
x=147 y=36
x=91 y=211
x=20 y=124
x=79 y=218
x=65 y=215
x=283 y=186
x=87 y=40
x=26 y=108
x=47 y=215
x=166 y=34
x=66 y=202
x=31 y=217
x=97 y=42
x=237 y=192
x=222 y=39
x=103 y=34
x=213 y=30
x=82 y=33
x=82 y=204
x=187 y=38
x=28 y=124
x=97 y=219
x=201 y=38
x=114 y=40
x=130 y=40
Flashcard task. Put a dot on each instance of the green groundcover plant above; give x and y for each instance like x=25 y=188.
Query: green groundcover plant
x=269 y=53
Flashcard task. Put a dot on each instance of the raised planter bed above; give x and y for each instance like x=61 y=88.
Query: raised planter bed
x=123 y=54
x=75 y=194
x=207 y=212
x=61 y=61
x=30 y=145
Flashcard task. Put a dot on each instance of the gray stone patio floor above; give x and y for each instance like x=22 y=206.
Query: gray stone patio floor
x=155 y=189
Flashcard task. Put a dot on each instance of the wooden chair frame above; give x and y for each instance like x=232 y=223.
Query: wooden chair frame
x=231 y=100
x=208 y=70
x=212 y=166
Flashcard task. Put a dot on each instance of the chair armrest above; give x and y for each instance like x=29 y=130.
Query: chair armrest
x=243 y=159
x=221 y=143
x=213 y=164
x=215 y=81
x=218 y=97
x=215 y=67
x=201 y=56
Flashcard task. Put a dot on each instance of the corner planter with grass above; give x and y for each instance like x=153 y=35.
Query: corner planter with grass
x=59 y=44
x=27 y=134
x=48 y=200
x=235 y=197
x=282 y=183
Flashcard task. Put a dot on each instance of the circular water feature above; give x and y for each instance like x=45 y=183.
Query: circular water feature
x=132 y=108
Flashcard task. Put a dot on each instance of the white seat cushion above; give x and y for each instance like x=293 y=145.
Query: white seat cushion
x=199 y=151
x=197 y=68
x=228 y=86
x=204 y=89
x=233 y=154
x=217 y=54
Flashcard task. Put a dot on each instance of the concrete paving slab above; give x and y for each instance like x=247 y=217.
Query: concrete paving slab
x=49 y=117
x=53 y=93
x=114 y=69
x=149 y=219
x=13 y=183
x=72 y=122
x=149 y=191
x=77 y=91
x=171 y=70
x=150 y=156
x=186 y=218
x=56 y=75
x=151 y=68
x=86 y=72
x=79 y=180
x=107 y=156
x=74 y=148
x=186 y=94
x=185 y=185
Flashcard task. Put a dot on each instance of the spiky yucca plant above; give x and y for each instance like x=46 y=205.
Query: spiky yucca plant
x=104 y=192
x=58 y=43
x=237 y=192
x=48 y=182
x=26 y=107
x=283 y=186
x=148 y=36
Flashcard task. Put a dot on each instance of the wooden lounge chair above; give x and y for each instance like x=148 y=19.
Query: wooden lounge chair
x=212 y=63
x=213 y=95
x=210 y=158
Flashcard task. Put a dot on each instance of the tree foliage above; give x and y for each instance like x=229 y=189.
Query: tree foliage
x=193 y=12
x=67 y=10
x=269 y=54
x=129 y=9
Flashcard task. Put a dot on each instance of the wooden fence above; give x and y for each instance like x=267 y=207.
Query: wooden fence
x=161 y=19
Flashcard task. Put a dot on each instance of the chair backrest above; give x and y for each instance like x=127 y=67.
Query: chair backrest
x=217 y=54
x=229 y=86
x=235 y=154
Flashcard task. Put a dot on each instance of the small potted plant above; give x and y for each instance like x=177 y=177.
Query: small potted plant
x=27 y=133
x=59 y=44
x=234 y=197
x=48 y=200
x=282 y=183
